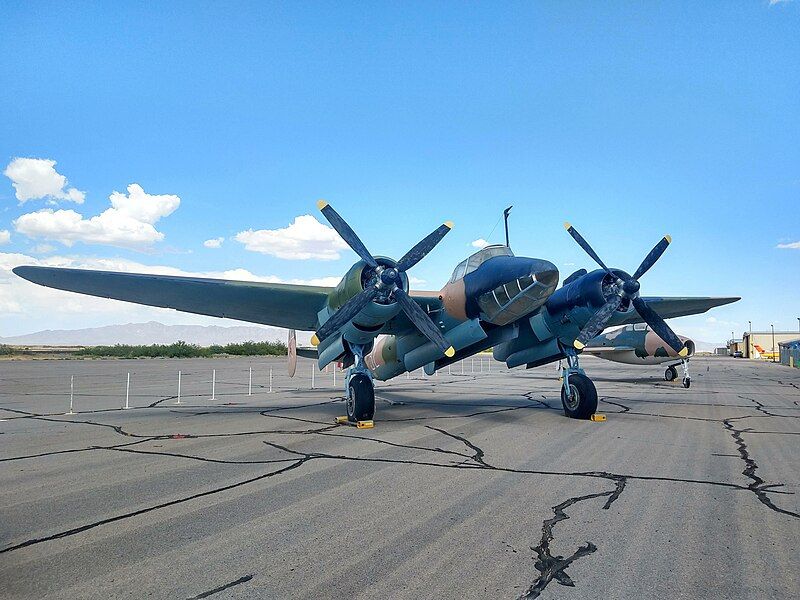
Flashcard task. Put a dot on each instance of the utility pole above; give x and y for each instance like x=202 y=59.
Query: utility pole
x=750 y=341
x=773 y=341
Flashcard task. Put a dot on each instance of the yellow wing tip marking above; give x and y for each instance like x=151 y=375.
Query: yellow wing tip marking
x=314 y=340
x=450 y=352
x=321 y=204
x=567 y=225
x=448 y=224
x=578 y=345
x=668 y=238
x=684 y=352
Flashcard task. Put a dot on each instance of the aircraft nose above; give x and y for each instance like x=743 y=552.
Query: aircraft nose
x=509 y=284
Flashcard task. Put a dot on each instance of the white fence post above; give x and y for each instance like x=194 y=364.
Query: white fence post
x=462 y=367
x=214 y=384
x=178 y=401
x=270 y=380
x=449 y=371
x=250 y=382
x=313 y=368
x=71 y=393
x=128 y=392
x=334 y=375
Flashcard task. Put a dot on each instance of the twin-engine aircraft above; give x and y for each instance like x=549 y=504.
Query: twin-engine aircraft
x=374 y=325
x=640 y=345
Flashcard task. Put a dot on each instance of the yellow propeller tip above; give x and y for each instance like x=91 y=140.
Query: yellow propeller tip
x=448 y=224
x=578 y=345
x=314 y=340
x=321 y=204
x=668 y=238
x=450 y=352
x=684 y=352
x=567 y=225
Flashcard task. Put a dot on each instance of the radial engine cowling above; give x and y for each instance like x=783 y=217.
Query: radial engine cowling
x=363 y=328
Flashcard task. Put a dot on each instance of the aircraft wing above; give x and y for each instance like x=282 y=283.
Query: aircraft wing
x=669 y=307
x=277 y=304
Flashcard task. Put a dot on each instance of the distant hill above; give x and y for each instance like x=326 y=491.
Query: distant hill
x=148 y=333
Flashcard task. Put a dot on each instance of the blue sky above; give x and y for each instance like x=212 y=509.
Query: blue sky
x=628 y=119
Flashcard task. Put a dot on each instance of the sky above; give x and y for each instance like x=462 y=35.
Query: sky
x=196 y=137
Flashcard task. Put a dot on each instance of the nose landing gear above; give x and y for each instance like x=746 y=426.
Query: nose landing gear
x=671 y=374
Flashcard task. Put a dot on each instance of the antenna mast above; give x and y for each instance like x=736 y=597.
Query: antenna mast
x=505 y=216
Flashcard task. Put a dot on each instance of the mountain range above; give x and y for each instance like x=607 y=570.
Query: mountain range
x=148 y=333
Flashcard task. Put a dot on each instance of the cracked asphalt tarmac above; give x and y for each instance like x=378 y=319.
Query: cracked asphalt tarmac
x=470 y=485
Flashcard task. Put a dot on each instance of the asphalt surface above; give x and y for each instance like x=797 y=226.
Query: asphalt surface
x=476 y=486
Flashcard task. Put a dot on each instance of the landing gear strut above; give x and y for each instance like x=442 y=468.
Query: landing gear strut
x=671 y=374
x=578 y=394
x=360 y=389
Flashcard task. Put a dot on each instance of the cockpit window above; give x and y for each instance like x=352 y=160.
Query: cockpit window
x=459 y=271
x=477 y=259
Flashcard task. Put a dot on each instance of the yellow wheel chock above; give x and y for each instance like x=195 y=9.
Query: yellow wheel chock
x=598 y=417
x=359 y=424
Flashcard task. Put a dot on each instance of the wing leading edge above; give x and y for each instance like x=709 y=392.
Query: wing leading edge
x=670 y=307
x=277 y=304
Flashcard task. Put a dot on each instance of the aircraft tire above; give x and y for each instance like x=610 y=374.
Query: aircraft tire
x=360 y=398
x=687 y=382
x=584 y=401
x=670 y=374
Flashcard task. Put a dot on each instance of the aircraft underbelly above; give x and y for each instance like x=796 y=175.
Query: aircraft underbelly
x=629 y=357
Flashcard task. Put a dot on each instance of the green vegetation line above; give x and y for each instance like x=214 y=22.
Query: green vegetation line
x=184 y=350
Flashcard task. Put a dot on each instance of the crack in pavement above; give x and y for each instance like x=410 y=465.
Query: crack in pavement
x=141 y=511
x=554 y=567
x=222 y=588
x=757 y=485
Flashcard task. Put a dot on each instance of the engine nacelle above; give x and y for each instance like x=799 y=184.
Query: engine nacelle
x=363 y=328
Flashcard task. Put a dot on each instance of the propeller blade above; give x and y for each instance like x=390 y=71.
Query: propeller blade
x=585 y=245
x=418 y=252
x=346 y=312
x=347 y=233
x=423 y=322
x=654 y=255
x=597 y=322
x=657 y=324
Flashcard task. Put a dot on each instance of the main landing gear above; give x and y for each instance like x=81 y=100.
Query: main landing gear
x=360 y=389
x=578 y=394
x=671 y=374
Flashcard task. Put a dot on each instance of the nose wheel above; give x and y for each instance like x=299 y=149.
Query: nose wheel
x=671 y=374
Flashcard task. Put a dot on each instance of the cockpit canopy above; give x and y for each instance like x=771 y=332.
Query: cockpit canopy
x=477 y=259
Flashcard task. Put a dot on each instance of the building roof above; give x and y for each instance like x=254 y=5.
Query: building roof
x=790 y=343
x=769 y=332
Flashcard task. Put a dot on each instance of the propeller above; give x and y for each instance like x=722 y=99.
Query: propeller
x=623 y=289
x=385 y=281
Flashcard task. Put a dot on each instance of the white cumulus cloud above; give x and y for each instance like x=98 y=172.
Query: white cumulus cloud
x=214 y=242
x=5 y=236
x=305 y=238
x=479 y=243
x=35 y=178
x=793 y=245
x=129 y=223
